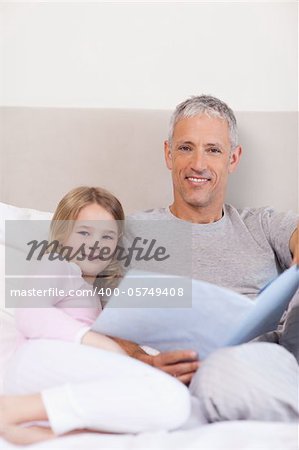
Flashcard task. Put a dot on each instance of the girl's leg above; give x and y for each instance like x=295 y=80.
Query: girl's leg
x=24 y=436
x=15 y=409
x=98 y=390
x=147 y=400
x=18 y=409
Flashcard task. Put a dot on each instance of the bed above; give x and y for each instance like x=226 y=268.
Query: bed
x=45 y=152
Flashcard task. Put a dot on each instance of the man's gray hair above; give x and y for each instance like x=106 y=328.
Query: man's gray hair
x=211 y=106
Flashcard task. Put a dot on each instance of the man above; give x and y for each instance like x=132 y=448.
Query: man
x=240 y=250
x=245 y=248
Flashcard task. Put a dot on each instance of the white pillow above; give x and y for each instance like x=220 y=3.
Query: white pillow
x=10 y=212
x=9 y=341
x=2 y=282
x=2 y=276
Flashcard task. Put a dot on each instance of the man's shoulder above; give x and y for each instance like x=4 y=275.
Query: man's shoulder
x=249 y=213
x=262 y=219
x=150 y=214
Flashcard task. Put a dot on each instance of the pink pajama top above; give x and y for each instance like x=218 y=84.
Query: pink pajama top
x=68 y=309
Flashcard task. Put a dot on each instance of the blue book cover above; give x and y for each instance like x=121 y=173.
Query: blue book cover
x=215 y=317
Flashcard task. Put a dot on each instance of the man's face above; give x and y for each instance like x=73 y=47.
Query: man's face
x=200 y=159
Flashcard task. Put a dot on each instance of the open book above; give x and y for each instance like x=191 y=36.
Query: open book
x=215 y=318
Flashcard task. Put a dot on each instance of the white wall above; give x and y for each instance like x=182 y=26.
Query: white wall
x=1 y=54
x=149 y=55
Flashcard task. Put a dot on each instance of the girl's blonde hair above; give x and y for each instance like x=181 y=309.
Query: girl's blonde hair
x=68 y=210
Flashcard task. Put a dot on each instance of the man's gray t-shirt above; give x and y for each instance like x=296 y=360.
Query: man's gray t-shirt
x=242 y=251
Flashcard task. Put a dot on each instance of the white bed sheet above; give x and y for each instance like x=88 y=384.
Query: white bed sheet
x=224 y=435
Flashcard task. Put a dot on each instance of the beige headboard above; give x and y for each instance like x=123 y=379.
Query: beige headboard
x=47 y=151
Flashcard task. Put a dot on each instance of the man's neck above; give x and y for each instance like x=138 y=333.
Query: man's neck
x=196 y=214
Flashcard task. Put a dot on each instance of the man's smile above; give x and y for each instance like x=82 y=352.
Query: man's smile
x=198 y=180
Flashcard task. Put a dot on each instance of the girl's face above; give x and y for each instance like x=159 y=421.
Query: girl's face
x=94 y=229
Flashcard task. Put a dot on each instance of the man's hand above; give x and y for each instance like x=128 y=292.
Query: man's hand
x=181 y=364
x=294 y=246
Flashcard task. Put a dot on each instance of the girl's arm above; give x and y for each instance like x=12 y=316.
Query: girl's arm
x=54 y=323
x=51 y=322
x=100 y=340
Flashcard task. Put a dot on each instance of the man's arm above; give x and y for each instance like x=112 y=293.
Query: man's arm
x=294 y=245
x=181 y=364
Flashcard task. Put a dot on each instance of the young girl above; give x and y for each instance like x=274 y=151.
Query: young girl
x=74 y=386
x=86 y=218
